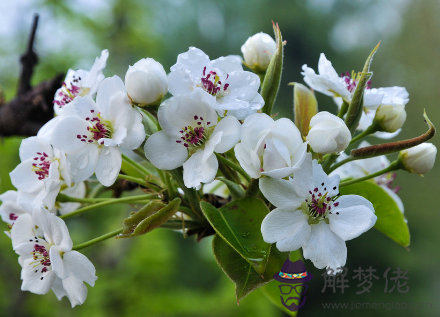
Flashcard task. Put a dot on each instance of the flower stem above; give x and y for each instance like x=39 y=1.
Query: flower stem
x=340 y=163
x=370 y=130
x=343 y=109
x=133 y=179
x=129 y=199
x=393 y=166
x=190 y=193
x=97 y=240
x=234 y=166
x=253 y=188
x=62 y=198
x=136 y=165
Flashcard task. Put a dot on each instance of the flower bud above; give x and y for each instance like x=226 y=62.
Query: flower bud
x=328 y=134
x=390 y=118
x=146 y=82
x=419 y=159
x=258 y=50
x=305 y=107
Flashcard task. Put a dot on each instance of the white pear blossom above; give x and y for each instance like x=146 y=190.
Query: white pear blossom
x=42 y=171
x=312 y=215
x=9 y=209
x=361 y=168
x=190 y=135
x=328 y=133
x=258 y=50
x=343 y=87
x=80 y=83
x=227 y=88
x=419 y=159
x=270 y=148
x=47 y=259
x=93 y=136
x=146 y=82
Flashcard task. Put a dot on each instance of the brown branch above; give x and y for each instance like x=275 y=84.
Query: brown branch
x=32 y=107
x=28 y=61
x=27 y=113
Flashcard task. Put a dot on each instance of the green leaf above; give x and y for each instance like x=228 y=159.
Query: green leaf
x=272 y=292
x=356 y=106
x=148 y=218
x=390 y=219
x=272 y=79
x=245 y=278
x=239 y=224
x=235 y=189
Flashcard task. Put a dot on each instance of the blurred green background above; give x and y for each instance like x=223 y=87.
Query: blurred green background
x=162 y=274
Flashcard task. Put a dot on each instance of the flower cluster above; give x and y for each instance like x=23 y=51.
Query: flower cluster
x=212 y=127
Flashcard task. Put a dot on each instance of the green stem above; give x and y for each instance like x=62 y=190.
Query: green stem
x=96 y=240
x=253 y=188
x=190 y=193
x=328 y=162
x=234 y=166
x=129 y=199
x=133 y=179
x=370 y=130
x=135 y=164
x=171 y=190
x=62 y=198
x=179 y=224
x=343 y=109
x=340 y=163
x=393 y=167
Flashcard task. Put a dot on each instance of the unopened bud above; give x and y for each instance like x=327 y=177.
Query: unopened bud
x=258 y=51
x=419 y=159
x=328 y=134
x=305 y=107
x=146 y=82
x=390 y=118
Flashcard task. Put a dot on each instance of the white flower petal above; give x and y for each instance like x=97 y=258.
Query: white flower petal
x=75 y=289
x=22 y=230
x=244 y=158
x=164 y=152
x=57 y=262
x=54 y=228
x=330 y=182
x=107 y=89
x=195 y=59
x=355 y=216
x=185 y=110
x=80 y=267
x=228 y=64
x=109 y=165
x=230 y=127
x=36 y=282
x=83 y=164
x=281 y=193
x=243 y=85
x=24 y=179
x=180 y=81
x=135 y=137
x=324 y=248
x=197 y=170
x=252 y=127
x=289 y=228
x=30 y=146
x=65 y=134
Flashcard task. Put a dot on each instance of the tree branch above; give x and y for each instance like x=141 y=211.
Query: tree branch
x=32 y=107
